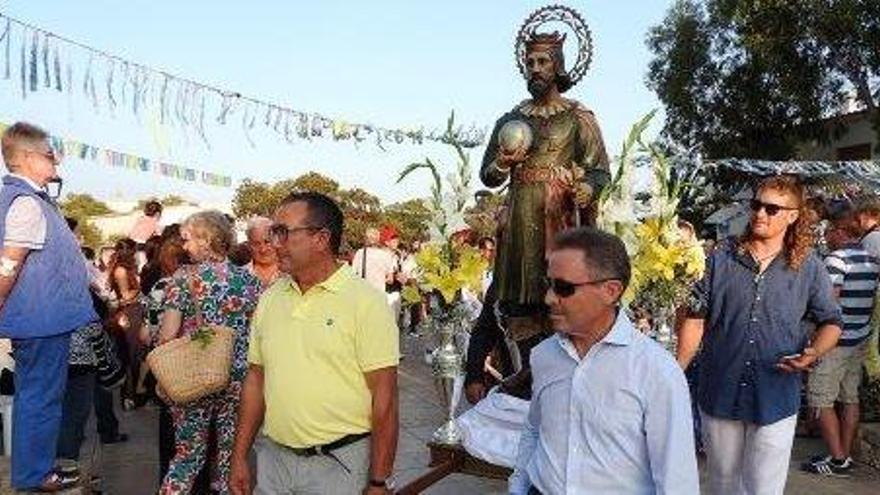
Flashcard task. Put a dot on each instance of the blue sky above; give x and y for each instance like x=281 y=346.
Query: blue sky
x=392 y=63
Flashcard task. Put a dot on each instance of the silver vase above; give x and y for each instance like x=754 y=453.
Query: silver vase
x=448 y=373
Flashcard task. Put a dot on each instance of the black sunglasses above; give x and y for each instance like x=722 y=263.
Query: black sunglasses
x=771 y=209
x=280 y=232
x=564 y=288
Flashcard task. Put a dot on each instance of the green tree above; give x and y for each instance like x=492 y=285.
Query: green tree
x=362 y=210
x=410 y=217
x=83 y=206
x=89 y=234
x=750 y=78
x=254 y=198
x=312 y=181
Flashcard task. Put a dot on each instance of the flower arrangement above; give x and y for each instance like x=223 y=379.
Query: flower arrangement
x=666 y=260
x=446 y=266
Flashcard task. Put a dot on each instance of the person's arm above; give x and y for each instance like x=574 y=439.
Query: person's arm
x=172 y=319
x=824 y=309
x=690 y=335
x=25 y=231
x=519 y=482
x=669 y=430
x=484 y=337
x=176 y=297
x=250 y=419
x=383 y=439
x=12 y=259
x=691 y=318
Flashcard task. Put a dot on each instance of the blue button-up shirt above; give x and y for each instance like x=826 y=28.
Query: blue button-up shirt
x=617 y=421
x=752 y=319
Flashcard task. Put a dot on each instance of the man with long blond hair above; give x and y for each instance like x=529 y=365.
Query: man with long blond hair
x=748 y=313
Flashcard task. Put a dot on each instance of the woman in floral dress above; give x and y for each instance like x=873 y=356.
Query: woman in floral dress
x=225 y=295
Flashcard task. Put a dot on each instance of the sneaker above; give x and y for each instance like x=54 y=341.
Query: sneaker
x=828 y=466
x=67 y=467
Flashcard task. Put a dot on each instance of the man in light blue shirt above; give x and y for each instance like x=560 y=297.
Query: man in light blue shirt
x=610 y=410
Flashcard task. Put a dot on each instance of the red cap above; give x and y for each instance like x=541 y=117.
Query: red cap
x=388 y=233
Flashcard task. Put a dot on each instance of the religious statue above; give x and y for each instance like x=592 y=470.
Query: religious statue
x=550 y=152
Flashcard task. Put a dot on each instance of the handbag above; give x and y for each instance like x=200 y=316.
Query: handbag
x=191 y=367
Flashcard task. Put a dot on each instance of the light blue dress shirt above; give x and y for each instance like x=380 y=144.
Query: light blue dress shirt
x=617 y=421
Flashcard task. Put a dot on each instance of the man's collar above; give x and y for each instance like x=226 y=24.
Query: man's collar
x=333 y=283
x=622 y=333
x=27 y=181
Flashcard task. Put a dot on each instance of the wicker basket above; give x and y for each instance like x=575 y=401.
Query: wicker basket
x=188 y=369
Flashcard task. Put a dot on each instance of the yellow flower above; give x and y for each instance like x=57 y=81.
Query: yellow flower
x=471 y=267
x=694 y=261
x=447 y=285
x=411 y=294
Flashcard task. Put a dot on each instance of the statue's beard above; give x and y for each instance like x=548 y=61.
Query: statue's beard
x=539 y=87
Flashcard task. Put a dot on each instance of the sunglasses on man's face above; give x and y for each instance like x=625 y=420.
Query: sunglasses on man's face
x=563 y=288
x=757 y=205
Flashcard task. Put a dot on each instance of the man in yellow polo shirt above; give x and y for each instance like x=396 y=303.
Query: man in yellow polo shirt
x=323 y=360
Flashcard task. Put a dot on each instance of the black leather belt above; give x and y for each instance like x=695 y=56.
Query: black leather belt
x=328 y=447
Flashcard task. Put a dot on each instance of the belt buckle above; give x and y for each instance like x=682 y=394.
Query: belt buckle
x=319 y=450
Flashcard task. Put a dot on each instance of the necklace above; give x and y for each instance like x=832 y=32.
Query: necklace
x=761 y=259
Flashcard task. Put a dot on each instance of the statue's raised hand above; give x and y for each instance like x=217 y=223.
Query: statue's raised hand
x=505 y=159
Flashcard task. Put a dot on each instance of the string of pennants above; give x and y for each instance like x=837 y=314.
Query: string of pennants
x=40 y=60
x=83 y=151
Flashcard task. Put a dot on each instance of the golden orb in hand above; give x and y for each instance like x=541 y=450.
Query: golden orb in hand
x=515 y=135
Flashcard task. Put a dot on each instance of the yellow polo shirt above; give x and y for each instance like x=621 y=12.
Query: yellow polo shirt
x=314 y=349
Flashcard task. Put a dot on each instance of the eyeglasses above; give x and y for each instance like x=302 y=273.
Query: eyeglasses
x=564 y=288
x=771 y=209
x=280 y=232
x=50 y=155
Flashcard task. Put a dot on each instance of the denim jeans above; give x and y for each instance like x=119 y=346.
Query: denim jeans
x=40 y=379
x=77 y=408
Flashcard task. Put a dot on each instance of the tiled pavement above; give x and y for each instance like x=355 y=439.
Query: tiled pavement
x=131 y=468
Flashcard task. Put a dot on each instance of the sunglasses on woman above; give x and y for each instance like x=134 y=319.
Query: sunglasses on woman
x=563 y=288
x=771 y=209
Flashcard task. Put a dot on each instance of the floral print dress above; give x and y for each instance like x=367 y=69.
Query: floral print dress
x=225 y=295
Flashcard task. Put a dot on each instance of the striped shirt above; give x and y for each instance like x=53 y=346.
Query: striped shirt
x=855 y=273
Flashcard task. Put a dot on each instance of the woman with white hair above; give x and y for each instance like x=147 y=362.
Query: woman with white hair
x=264 y=259
x=210 y=291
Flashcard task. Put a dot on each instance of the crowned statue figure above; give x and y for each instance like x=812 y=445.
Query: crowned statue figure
x=549 y=150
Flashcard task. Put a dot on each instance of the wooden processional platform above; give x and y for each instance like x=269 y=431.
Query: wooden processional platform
x=450 y=459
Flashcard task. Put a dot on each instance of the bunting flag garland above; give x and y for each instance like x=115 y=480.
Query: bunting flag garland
x=83 y=151
x=186 y=103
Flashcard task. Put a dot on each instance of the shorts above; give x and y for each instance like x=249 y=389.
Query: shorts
x=837 y=377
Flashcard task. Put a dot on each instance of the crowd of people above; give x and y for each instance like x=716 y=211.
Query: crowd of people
x=312 y=384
